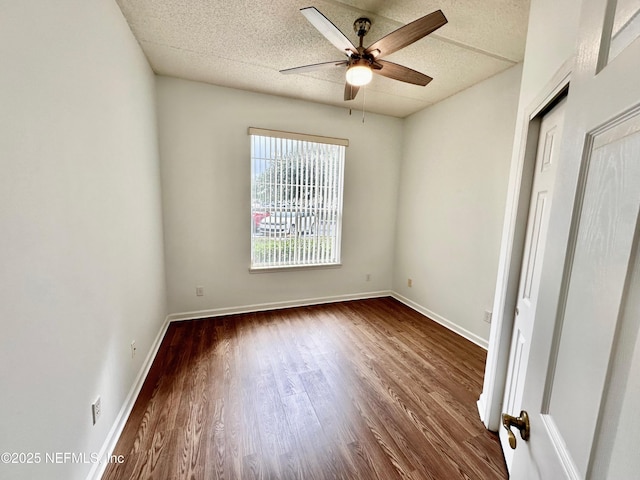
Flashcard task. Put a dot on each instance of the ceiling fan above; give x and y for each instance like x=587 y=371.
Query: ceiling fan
x=362 y=62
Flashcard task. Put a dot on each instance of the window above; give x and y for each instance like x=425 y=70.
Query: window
x=296 y=199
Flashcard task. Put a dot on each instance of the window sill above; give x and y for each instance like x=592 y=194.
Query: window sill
x=293 y=268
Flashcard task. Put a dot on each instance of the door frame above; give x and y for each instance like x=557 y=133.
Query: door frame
x=512 y=244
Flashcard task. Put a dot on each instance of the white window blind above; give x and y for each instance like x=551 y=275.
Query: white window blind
x=296 y=199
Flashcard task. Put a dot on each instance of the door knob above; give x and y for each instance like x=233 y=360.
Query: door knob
x=521 y=423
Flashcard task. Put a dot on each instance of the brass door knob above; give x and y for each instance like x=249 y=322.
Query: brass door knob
x=521 y=423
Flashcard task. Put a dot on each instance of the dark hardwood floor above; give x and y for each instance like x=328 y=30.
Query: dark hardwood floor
x=365 y=390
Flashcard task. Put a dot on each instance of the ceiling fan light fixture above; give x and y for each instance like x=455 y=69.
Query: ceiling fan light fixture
x=363 y=62
x=359 y=75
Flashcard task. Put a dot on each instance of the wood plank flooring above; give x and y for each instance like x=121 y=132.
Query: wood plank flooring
x=364 y=389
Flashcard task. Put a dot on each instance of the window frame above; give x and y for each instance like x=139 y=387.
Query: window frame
x=335 y=237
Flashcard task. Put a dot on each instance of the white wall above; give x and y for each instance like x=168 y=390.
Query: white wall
x=451 y=204
x=80 y=211
x=205 y=154
x=551 y=41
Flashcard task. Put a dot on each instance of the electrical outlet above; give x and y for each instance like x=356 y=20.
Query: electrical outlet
x=133 y=349
x=409 y=282
x=487 y=316
x=96 y=409
x=368 y=277
x=200 y=291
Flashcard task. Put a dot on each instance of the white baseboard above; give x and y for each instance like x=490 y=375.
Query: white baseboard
x=482 y=409
x=472 y=337
x=261 y=307
x=110 y=442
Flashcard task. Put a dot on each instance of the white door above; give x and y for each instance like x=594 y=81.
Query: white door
x=582 y=384
x=547 y=156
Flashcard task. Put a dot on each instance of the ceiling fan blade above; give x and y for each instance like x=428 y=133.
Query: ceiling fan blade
x=406 y=35
x=350 y=91
x=329 y=30
x=399 y=72
x=315 y=66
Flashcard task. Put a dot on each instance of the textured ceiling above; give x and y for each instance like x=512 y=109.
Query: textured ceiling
x=244 y=43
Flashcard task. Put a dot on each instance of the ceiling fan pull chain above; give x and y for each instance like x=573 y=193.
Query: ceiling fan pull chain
x=364 y=98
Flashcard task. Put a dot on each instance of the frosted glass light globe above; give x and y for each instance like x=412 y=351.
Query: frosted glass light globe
x=359 y=75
